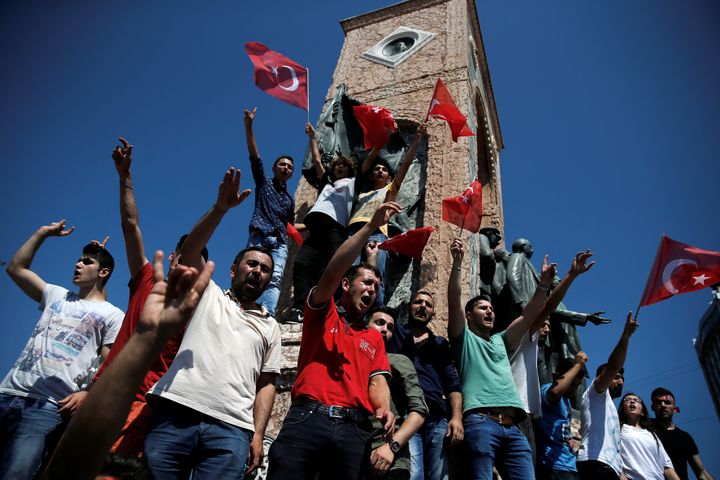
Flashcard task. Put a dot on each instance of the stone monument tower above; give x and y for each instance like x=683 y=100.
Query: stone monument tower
x=392 y=58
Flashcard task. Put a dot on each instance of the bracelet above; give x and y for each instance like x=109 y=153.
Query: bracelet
x=543 y=288
x=125 y=184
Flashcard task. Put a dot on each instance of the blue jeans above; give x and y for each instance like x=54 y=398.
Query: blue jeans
x=29 y=429
x=487 y=442
x=279 y=253
x=428 y=451
x=310 y=442
x=182 y=440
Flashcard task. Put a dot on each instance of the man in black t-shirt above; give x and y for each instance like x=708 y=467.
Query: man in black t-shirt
x=678 y=444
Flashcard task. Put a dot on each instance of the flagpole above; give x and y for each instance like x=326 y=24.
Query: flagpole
x=307 y=85
x=636 y=312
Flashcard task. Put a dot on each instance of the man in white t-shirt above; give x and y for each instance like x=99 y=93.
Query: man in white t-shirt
x=524 y=360
x=599 y=455
x=211 y=408
x=42 y=390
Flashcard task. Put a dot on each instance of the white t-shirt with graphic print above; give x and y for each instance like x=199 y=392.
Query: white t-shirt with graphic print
x=62 y=348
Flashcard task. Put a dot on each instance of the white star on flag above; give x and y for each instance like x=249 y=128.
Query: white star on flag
x=701 y=279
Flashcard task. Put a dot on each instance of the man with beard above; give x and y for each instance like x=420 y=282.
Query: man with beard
x=211 y=408
x=440 y=384
x=599 y=455
x=678 y=444
x=341 y=373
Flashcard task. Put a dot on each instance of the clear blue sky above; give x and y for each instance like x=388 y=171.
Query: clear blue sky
x=609 y=112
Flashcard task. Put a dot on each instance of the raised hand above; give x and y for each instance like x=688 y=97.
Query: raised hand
x=249 y=116
x=122 y=156
x=229 y=194
x=630 y=325
x=581 y=358
x=371 y=250
x=579 y=264
x=309 y=130
x=172 y=302
x=101 y=244
x=457 y=251
x=57 y=229
x=384 y=213
x=548 y=272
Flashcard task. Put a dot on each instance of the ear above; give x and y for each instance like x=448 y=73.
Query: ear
x=468 y=316
x=345 y=284
x=233 y=270
x=103 y=272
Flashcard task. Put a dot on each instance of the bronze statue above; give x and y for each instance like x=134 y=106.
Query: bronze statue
x=521 y=280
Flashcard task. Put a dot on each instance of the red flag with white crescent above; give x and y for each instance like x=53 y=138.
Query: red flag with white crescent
x=680 y=268
x=410 y=243
x=278 y=75
x=465 y=210
x=377 y=124
x=443 y=106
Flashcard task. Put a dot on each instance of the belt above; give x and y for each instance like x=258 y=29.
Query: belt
x=332 y=411
x=502 y=418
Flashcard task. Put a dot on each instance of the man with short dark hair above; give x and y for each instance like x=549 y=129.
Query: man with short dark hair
x=42 y=389
x=439 y=381
x=390 y=456
x=274 y=209
x=211 y=408
x=491 y=405
x=599 y=454
x=679 y=445
x=341 y=373
x=555 y=458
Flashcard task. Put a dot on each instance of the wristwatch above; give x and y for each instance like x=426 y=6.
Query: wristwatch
x=394 y=446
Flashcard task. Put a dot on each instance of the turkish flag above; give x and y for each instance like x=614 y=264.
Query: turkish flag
x=295 y=235
x=443 y=107
x=410 y=243
x=680 y=268
x=278 y=75
x=377 y=124
x=465 y=210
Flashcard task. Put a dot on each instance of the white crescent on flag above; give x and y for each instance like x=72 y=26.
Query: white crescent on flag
x=668 y=271
x=295 y=83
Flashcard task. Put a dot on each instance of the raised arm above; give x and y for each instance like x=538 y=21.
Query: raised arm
x=409 y=156
x=229 y=196
x=617 y=357
x=530 y=313
x=262 y=408
x=315 y=152
x=84 y=445
x=19 y=268
x=578 y=266
x=249 y=118
x=367 y=163
x=134 y=248
x=563 y=384
x=347 y=253
x=456 y=314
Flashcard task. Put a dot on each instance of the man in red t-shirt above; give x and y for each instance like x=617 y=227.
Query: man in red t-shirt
x=342 y=369
x=131 y=439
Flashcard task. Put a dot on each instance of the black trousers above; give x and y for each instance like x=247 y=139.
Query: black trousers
x=326 y=236
x=310 y=443
x=594 y=470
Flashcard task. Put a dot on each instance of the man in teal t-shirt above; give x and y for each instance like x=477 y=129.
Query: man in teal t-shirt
x=491 y=405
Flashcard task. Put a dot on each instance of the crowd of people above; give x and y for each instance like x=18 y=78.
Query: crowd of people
x=182 y=384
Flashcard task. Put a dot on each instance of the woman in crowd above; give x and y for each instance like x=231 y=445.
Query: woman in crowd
x=643 y=456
